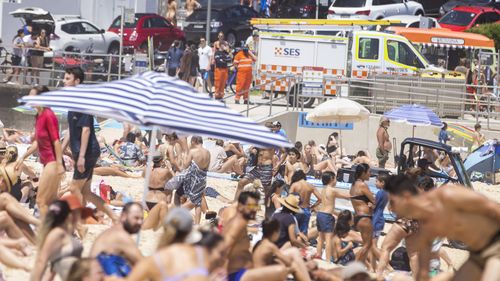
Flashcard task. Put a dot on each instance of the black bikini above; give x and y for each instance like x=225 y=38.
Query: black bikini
x=151 y=205
x=363 y=198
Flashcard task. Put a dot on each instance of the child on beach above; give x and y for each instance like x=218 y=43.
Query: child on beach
x=381 y=200
x=325 y=219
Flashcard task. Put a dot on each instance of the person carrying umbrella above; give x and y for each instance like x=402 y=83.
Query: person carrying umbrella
x=384 y=143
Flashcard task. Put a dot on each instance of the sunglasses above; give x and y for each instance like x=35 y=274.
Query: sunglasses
x=253 y=206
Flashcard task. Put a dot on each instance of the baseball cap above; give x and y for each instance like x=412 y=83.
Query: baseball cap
x=277 y=124
x=255 y=33
x=182 y=220
x=75 y=204
x=354 y=268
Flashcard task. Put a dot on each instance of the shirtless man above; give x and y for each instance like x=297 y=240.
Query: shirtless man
x=292 y=164
x=191 y=5
x=263 y=171
x=117 y=240
x=172 y=12
x=384 y=143
x=193 y=179
x=175 y=151
x=454 y=212
x=325 y=219
x=305 y=190
x=239 y=265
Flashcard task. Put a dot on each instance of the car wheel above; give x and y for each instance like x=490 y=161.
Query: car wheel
x=114 y=48
x=231 y=39
x=419 y=13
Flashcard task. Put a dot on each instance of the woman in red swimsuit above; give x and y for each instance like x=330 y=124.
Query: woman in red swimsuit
x=49 y=148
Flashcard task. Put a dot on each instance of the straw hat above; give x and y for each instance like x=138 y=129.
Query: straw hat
x=291 y=202
x=384 y=119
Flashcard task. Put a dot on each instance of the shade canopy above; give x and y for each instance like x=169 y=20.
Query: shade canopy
x=156 y=100
x=414 y=114
x=338 y=109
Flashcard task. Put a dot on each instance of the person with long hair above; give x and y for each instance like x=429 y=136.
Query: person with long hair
x=243 y=62
x=213 y=243
x=57 y=248
x=49 y=148
x=176 y=258
x=362 y=200
x=17 y=56
x=41 y=46
x=273 y=199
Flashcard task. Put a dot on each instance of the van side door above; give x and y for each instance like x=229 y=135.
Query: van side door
x=401 y=58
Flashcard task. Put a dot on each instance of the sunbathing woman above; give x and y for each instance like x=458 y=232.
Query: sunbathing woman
x=49 y=148
x=13 y=169
x=362 y=200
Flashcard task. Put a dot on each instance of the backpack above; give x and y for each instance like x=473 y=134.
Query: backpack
x=400 y=260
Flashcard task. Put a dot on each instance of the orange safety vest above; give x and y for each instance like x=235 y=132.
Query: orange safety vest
x=244 y=63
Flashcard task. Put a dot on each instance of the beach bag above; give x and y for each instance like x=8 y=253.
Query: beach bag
x=114 y=265
x=400 y=260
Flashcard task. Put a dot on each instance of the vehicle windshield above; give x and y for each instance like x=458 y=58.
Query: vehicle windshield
x=457 y=18
x=201 y=15
x=116 y=23
x=349 y=3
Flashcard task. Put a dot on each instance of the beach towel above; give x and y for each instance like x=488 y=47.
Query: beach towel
x=193 y=180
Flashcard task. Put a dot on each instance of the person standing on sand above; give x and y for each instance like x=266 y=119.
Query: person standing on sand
x=305 y=190
x=84 y=148
x=116 y=242
x=239 y=258
x=49 y=148
x=263 y=171
x=325 y=219
x=478 y=138
x=454 y=212
x=384 y=143
x=193 y=180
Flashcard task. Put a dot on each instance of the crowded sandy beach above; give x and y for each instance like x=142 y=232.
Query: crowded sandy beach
x=73 y=207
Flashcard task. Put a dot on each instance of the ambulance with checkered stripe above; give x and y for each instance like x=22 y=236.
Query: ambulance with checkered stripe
x=323 y=62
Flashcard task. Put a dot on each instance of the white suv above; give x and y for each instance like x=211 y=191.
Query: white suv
x=373 y=9
x=71 y=33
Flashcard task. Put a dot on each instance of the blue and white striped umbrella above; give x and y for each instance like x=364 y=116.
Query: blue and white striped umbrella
x=414 y=114
x=156 y=100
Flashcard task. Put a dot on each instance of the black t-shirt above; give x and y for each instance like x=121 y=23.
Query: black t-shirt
x=76 y=122
x=285 y=220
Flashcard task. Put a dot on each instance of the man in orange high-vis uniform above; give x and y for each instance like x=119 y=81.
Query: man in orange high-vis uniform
x=243 y=61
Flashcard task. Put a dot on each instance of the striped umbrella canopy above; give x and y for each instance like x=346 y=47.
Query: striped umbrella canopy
x=156 y=100
x=414 y=114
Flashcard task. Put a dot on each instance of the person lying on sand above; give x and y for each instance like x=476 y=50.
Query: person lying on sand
x=221 y=162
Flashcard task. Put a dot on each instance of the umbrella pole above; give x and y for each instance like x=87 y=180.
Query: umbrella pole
x=152 y=151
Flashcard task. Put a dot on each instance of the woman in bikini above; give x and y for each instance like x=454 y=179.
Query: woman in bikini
x=362 y=200
x=273 y=201
x=58 y=249
x=176 y=259
x=49 y=148
x=12 y=171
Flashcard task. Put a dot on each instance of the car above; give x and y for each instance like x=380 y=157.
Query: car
x=373 y=9
x=465 y=17
x=412 y=21
x=145 y=25
x=292 y=9
x=448 y=6
x=70 y=33
x=431 y=7
x=233 y=21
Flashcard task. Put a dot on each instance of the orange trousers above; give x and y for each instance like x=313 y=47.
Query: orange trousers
x=243 y=83
x=220 y=79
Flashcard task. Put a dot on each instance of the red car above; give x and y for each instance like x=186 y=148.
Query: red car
x=465 y=17
x=135 y=35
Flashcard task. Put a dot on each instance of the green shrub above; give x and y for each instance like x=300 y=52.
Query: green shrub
x=491 y=31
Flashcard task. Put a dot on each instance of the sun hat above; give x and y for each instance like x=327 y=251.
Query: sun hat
x=182 y=220
x=354 y=268
x=384 y=119
x=291 y=202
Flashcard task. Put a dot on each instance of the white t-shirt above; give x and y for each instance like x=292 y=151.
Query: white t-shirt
x=28 y=43
x=217 y=156
x=205 y=54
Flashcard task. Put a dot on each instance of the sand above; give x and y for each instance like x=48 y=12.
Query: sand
x=148 y=239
